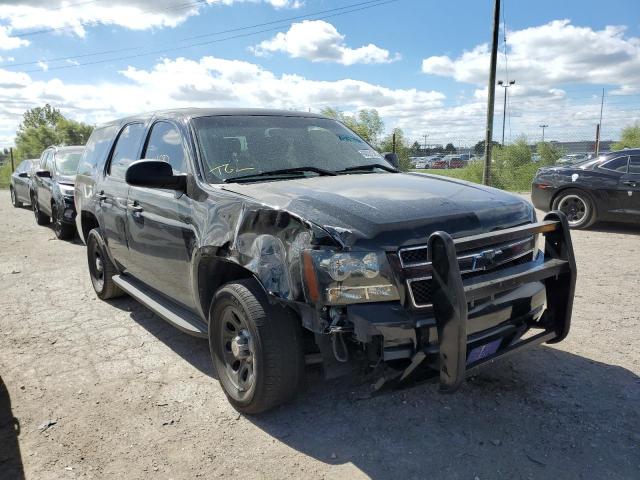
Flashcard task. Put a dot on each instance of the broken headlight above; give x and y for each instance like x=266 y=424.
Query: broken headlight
x=340 y=278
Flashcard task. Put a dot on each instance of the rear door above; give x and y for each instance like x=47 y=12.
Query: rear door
x=45 y=184
x=111 y=192
x=613 y=200
x=630 y=186
x=160 y=235
x=21 y=183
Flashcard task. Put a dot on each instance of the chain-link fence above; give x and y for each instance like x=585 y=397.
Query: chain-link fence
x=513 y=164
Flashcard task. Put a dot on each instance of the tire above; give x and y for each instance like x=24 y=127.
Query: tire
x=101 y=269
x=62 y=230
x=14 y=198
x=578 y=206
x=41 y=218
x=256 y=348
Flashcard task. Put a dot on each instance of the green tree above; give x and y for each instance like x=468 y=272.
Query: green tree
x=42 y=127
x=549 y=153
x=630 y=138
x=367 y=123
x=402 y=150
x=450 y=148
x=479 y=147
x=416 y=150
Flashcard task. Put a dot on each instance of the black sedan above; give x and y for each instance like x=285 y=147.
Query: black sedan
x=20 y=185
x=604 y=188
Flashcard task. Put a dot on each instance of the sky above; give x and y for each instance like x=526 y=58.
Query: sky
x=423 y=64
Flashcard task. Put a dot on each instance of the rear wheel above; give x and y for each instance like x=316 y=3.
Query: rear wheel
x=14 y=198
x=101 y=269
x=577 y=206
x=62 y=230
x=41 y=218
x=256 y=348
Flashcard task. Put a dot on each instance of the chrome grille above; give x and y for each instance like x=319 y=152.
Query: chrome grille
x=471 y=263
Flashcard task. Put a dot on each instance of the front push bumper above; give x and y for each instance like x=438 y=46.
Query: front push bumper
x=469 y=312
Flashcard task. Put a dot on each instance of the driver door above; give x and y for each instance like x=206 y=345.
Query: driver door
x=630 y=185
x=160 y=234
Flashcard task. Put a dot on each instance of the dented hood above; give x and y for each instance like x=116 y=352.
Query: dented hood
x=390 y=210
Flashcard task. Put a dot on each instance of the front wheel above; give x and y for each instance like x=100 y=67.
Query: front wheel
x=62 y=230
x=256 y=348
x=101 y=269
x=577 y=206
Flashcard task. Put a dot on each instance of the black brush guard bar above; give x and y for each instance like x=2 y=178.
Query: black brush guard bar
x=452 y=293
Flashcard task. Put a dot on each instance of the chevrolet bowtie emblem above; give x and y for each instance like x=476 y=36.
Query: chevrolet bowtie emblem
x=485 y=259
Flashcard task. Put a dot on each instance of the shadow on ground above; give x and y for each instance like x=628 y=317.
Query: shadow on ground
x=542 y=413
x=622 y=228
x=10 y=458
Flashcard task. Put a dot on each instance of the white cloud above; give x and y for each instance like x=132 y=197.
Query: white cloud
x=319 y=41
x=552 y=54
x=217 y=82
x=72 y=17
x=208 y=82
x=7 y=42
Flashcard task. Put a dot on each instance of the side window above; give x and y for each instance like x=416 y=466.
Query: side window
x=97 y=149
x=126 y=150
x=634 y=164
x=618 y=164
x=165 y=143
x=44 y=160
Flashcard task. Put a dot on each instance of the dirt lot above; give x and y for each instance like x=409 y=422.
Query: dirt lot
x=131 y=397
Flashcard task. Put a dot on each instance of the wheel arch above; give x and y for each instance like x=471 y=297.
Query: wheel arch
x=586 y=192
x=88 y=221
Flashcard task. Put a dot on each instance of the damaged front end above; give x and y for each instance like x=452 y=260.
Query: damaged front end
x=446 y=307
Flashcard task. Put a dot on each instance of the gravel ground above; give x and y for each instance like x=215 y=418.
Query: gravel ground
x=108 y=390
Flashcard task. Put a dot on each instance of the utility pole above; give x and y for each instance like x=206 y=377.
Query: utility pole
x=504 y=109
x=543 y=126
x=394 y=142
x=13 y=167
x=425 y=142
x=491 y=97
x=599 y=128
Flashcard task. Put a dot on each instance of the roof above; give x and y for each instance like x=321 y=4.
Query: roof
x=187 y=113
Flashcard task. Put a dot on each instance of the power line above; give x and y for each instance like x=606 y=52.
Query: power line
x=183 y=6
x=343 y=10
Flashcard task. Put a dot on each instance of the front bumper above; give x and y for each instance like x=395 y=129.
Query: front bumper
x=458 y=335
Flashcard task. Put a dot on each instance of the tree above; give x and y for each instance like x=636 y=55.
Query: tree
x=367 y=123
x=42 y=127
x=479 y=147
x=416 y=150
x=402 y=150
x=549 y=153
x=630 y=138
x=450 y=148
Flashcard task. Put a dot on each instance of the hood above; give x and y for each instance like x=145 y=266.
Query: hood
x=66 y=179
x=391 y=210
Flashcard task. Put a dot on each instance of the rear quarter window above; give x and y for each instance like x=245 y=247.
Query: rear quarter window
x=618 y=164
x=97 y=149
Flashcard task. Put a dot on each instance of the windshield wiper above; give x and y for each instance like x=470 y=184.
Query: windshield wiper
x=319 y=171
x=370 y=167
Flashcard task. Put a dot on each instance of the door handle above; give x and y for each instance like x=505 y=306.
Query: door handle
x=136 y=207
x=631 y=183
x=102 y=196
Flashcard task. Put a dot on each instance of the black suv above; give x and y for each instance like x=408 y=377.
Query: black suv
x=283 y=237
x=52 y=189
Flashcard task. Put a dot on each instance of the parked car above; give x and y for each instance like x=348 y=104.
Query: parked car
x=20 y=183
x=52 y=189
x=283 y=236
x=604 y=188
x=440 y=164
x=457 y=162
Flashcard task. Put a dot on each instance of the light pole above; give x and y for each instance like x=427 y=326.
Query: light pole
x=543 y=126
x=504 y=109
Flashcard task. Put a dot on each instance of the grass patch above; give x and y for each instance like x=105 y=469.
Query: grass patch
x=5 y=175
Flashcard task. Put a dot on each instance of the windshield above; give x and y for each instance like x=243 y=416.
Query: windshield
x=236 y=146
x=67 y=162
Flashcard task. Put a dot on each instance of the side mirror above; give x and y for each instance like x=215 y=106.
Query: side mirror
x=23 y=174
x=392 y=158
x=154 y=174
x=43 y=174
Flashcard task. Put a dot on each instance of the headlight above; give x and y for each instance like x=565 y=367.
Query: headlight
x=343 y=278
x=66 y=190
